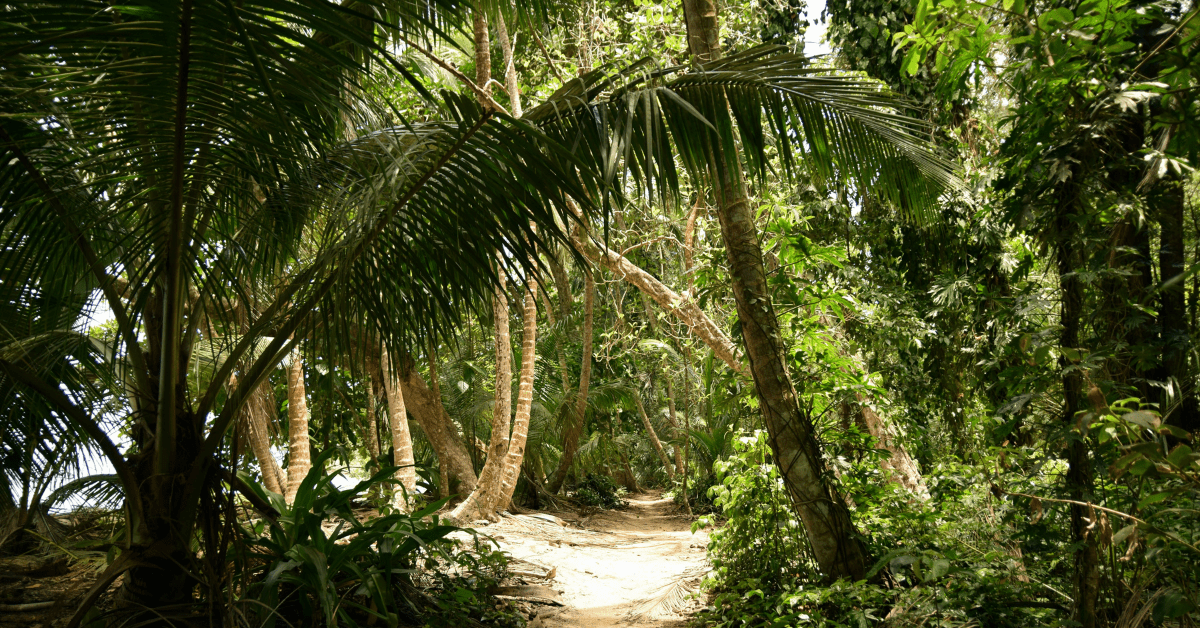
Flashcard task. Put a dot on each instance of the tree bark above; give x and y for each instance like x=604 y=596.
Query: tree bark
x=510 y=68
x=254 y=419
x=426 y=407
x=680 y=433
x=575 y=427
x=483 y=54
x=299 y=449
x=483 y=500
x=836 y=546
x=900 y=464
x=686 y=310
x=662 y=454
x=371 y=439
x=402 y=449
x=1069 y=258
x=515 y=455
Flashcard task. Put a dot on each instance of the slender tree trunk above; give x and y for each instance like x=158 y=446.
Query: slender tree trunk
x=402 y=449
x=299 y=452
x=371 y=439
x=689 y=246
x=835 y=543
x=510 y=68
x=662 y=454
x=425 y=406
x=254 y=419
x=575 y=427
x=482 y=501
x=1086 y=581
x=515 y=455
x=680 y=434
x=483 y=54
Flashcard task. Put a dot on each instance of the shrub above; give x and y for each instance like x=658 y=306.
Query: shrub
x=388 y=569
x=601 y=491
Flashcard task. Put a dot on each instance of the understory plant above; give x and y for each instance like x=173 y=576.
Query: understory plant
x=601 y=491
x=318 y=564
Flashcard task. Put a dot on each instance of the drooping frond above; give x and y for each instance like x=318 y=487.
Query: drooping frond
x=637 y=120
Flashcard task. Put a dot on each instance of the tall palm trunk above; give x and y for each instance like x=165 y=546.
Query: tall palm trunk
x=402 y=449
x=662 y=454
x=520 y=431
x=299 y=452
x=482 y=501
x=255 y=416
x=836 y=546
x=575 y=426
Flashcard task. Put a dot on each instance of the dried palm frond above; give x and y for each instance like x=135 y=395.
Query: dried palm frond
x=670 y=599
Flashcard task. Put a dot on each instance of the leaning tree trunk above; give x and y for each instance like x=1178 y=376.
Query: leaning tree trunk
x=254 y=419
x=899 y=463
x=482 y=501
x=426 y=407
x=836 y=546
x=520 y=432
x=662 y=454
x=684 y=309
x=402 y=449
x=299 y=452
x=575 y=426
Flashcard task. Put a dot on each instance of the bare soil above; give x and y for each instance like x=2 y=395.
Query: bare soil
x=632 y=567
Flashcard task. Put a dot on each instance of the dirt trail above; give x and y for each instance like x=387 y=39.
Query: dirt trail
x=632 y=567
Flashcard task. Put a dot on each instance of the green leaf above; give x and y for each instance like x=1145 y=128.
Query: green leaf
x=1054 y=18
x=1154 y=498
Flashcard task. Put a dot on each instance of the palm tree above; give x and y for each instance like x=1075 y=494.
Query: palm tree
x=214 y=187
x=189 y=150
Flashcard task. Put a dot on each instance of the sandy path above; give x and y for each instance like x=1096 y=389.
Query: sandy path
x=633 y=567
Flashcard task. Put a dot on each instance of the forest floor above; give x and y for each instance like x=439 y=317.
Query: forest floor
x=631 y=567
x=590 y=569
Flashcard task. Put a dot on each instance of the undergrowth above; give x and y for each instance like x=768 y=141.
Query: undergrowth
x=601 y=491
x=974 y=553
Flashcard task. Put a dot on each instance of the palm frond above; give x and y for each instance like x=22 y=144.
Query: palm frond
x=636 y=121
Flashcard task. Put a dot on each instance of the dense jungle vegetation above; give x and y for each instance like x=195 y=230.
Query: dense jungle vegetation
x=909 y=327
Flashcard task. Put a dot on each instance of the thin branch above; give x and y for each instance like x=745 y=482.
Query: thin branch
x=545 y=53
x=1164 y=41
x=1118 y=513
x=479 y=92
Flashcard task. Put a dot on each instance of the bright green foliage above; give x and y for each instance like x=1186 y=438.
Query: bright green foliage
x=391 y=568
x=760 y=554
